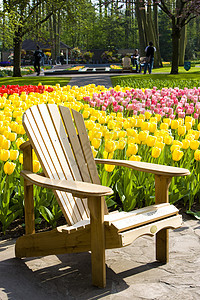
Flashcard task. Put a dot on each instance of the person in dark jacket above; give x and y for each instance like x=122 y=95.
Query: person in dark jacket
x=150 y=50
x=37 y=59
x=135 y=59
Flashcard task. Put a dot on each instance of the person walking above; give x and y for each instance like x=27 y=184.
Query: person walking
x=135 y=59
x=150 y=50
x=37 y=59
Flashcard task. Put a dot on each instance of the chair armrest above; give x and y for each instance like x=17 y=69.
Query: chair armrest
x=146 y=167
x=77 y=188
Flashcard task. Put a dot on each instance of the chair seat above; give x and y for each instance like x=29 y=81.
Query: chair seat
x=123 y=221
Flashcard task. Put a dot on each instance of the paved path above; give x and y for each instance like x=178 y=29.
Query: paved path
x=85 y=79
x=97 y=79
x=132 y=272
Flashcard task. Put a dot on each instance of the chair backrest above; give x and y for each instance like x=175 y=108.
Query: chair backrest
x=63 y=149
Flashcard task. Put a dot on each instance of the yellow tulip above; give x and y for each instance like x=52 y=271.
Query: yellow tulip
x=175 y=147
x=90 y=124
x=188 y=125
x=143 y=135
x=194 y=144
x=19 y=141
x=164 y=126
x=180 y=121
x=14 y=154
x=147 y=115
x=134 y=122
x=181 y=130
x=168 y=140
x=126 y=124
x=189 y=137
x=197 y=155
x=94 y=152
x=96 y=143
x=102 y=120
x=86 y=114
x=6 y=144
x=4 y=154
x=190 y=119
x=2 y=139
x=140 y=122
x=155 y=152
x=12 y=136
x=167 y=120
x=122 y=134
x=21 y=158
x=109 y=146
x=111 y=124
x=175 y=142
x=151 y=140
x=158 y=117
x=196 y=133
x=36 y=166
x=131 y=132
x=132 y=149
x=98 y=134
x=110 y=155
x=145 y=126
x=122 y=144
x=160 y=145
x=135 y=158
x=153 y=120
x=115 y=134
x=160 y=139
x=141 y=117
x=174 y=124
x=153 y=127
x=9 y=167
x=177 y=155
x=186 y=144
x=109 y=168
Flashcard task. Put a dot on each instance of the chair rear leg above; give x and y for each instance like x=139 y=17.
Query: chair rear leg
x=162 y=245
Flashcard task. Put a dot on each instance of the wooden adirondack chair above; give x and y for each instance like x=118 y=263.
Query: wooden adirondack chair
x=63 y=149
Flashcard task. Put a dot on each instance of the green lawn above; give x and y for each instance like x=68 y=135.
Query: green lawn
x=34 y=80
x=160 y=77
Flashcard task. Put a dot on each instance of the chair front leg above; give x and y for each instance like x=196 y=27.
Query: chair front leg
x=162 y=237
x=96 y=206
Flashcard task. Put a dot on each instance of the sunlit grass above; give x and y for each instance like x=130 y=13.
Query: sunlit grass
x=34 y=80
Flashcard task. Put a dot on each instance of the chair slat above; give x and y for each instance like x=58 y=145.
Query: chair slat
x=75 y=143
x=144 y=218
x=117 y=216
x=87 y=150
x=86 y=147
x=68 y=155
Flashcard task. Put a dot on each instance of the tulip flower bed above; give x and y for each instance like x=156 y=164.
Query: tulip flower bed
x=152 y=125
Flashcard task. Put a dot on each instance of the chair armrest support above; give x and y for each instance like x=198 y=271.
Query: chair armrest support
x=156 y=169
x=77 y=188
x=24 y=145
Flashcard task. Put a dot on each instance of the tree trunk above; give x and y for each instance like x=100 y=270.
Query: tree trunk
x=140 y=28
x=127 y=24
x=183 y=40
x=175 y=47
x=17 y=41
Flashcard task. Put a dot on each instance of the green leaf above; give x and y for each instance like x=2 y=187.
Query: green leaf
x=194 y=214
x=45 y=212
